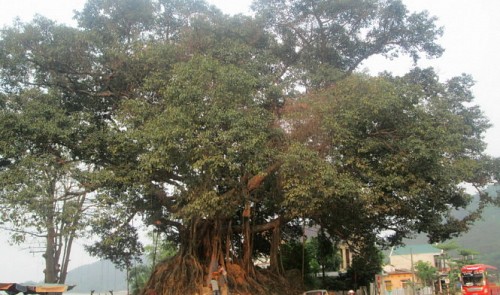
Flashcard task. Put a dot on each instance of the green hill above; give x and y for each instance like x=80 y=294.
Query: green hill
x=101 y=276
x=483 y=237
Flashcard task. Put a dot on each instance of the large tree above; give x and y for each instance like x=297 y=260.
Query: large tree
x=231 y=133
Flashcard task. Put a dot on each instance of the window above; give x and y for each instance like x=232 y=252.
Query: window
x=472 y=279
x=388 y=285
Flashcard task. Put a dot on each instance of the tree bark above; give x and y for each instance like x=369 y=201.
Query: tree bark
x=274 y=262
x=50 y=262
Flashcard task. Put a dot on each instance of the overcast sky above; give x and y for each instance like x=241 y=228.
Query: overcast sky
x=471 y=40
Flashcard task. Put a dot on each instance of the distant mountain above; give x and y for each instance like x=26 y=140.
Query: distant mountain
x=101 y=276
x=483 y=236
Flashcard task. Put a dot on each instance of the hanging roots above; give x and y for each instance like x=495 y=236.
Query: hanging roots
x=183 y=275
x=265 y=282
x=178 y=276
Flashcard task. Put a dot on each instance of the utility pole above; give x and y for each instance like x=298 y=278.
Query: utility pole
x=412 y=272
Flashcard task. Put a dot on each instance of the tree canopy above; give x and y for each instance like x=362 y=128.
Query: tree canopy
x=230 y=133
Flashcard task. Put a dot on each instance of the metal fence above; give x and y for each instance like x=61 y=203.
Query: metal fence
x=410 y=291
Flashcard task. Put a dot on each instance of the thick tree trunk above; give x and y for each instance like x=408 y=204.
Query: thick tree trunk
x=274 y=261
x=203 y=248
x=49 y=256
x=247 y=262
x=207 y=243
x=63 y=271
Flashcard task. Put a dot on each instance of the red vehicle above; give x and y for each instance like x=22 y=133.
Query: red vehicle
x=479 y=279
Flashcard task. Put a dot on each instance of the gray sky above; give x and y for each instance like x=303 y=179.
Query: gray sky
x=471 y=40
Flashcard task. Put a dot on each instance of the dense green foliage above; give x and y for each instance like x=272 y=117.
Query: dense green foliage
x=228 y=134
x=426 y=273
x=45 y=187
x=365 y=266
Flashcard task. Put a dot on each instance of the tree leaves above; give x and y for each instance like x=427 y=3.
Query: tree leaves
x=180 y=115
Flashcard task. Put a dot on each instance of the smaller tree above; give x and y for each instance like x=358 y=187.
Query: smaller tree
x=426 y=273
x=453 y=265
x=465 y=256
x=324 y=253
x=365 y=265
x=160 y=250
x=290 y=253
x=46 y=194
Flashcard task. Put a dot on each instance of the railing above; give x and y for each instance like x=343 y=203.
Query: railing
x=409 y=291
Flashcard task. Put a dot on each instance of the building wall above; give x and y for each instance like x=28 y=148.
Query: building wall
x=405 y=261
x=396 y=280
x=346 y=255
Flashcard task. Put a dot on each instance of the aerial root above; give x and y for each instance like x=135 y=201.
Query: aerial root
x=179 y=275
